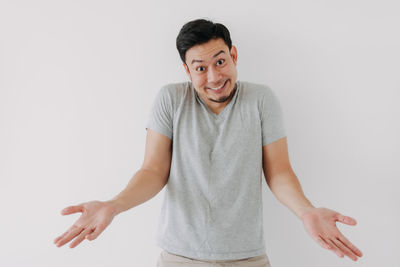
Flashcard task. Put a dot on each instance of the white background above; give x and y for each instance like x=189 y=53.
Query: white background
x=77 y=80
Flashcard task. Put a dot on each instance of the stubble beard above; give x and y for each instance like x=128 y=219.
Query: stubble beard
x=224 y=98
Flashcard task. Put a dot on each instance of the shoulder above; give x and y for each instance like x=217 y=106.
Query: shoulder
x=173 y=93
x=176 y=88
x=255 y=88
x=262 y=96
x=257 y=91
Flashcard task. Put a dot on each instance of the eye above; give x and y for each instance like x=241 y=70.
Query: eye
x=199 y=67
x=221 y=60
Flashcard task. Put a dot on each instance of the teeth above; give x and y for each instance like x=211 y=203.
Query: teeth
x=218 y=87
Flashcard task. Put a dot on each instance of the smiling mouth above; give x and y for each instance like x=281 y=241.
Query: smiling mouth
x=220 y=88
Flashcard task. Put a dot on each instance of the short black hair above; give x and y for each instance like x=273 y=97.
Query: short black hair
x=200 y=31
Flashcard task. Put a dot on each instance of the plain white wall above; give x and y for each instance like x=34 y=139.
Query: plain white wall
x=77 y=81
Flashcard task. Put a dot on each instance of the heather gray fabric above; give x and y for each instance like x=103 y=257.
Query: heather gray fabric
x=212 y=205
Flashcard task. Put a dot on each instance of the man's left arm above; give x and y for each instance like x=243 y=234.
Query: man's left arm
x=320 y=223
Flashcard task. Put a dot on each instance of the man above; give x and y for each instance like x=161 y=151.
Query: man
x=208 y=141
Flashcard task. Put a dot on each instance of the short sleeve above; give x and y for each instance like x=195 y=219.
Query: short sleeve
x=161 y=113
x=272 y=125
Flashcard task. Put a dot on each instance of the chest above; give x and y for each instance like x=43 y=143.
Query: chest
x=233 y=134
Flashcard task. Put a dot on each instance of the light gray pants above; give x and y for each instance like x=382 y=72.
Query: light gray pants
x=167 y=259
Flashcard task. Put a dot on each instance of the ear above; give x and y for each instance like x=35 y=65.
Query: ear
x=187 y=70
x=234 y=54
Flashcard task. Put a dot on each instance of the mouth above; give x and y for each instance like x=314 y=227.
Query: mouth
x=218 y=89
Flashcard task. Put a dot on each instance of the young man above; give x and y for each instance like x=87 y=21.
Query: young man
x=223 y=133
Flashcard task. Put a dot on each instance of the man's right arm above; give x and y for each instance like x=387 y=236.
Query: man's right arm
x=147 y=182
x=151 y=177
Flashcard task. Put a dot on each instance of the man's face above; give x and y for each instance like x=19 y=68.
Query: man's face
x=212 y=65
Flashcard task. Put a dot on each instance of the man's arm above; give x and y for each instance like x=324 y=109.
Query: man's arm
x=320 y=223
x=147 y=182
x=282 y=180
x=151 y=177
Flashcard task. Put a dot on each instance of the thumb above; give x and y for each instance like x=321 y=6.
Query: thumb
x=72 y=209
x=347 y=220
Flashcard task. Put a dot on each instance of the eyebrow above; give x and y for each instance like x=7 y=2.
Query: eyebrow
x=197 y=60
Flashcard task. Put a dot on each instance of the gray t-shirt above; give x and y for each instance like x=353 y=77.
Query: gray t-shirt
x=212 y=205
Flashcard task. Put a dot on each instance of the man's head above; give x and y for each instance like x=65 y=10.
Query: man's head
x=209 y=59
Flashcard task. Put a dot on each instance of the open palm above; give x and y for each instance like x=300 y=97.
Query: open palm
x=96 y=216
x=320 y=223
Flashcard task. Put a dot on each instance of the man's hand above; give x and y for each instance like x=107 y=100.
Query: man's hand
x=320 y=223
x=96 y=216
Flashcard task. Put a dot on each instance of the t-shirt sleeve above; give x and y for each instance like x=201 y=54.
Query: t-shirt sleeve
x=272 y=125
x=161 y=113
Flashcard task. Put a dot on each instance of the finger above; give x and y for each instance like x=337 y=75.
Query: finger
x=344 y=249
x=334 y=248
x=72 y=209
x=81 y=237
x=347 y=243
x=322 y=242
x=346 y=219
x=74 y=231
x=59 y=237
x=62 y=236
x=96 y=232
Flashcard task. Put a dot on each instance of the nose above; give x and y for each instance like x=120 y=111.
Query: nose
x=213 y=76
